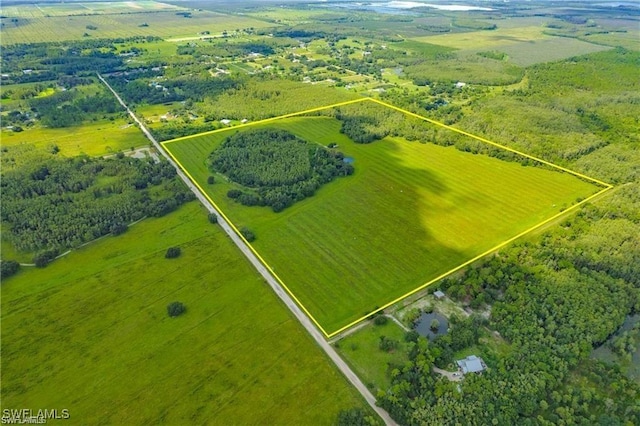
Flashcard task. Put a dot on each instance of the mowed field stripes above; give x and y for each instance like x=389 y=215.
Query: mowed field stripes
x=411 y=214
x=35 y=28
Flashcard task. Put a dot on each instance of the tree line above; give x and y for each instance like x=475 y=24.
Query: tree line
x=72 y=107
x=553 y=302
x=49 y=61
x=144 y=90
x=59 y=203
x=226 y=49
x=367 y=123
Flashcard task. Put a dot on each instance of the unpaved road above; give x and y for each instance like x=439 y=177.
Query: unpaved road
x=282 y=294
x=453 y=377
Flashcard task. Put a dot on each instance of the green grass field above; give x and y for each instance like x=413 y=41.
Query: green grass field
x=90 y=333
x=361 y=350
x=290 y=15
x=628 y=40
x=165 y=24
x=547 y=50
x=96 y=138
x=92 y=7
x=410 y=212
x=486 y=39
x=271 y=98
x=467 y=67
x=525 y=45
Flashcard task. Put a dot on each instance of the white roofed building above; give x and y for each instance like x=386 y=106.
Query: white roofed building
x=471 y=364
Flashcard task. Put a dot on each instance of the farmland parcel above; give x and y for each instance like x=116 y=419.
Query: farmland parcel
x=411 y=212
x=61 y=22
x=90 y=333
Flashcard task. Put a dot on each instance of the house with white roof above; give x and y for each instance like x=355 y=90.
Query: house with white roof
x=471 y=364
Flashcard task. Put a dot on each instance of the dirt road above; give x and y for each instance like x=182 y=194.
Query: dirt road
x=282 y=294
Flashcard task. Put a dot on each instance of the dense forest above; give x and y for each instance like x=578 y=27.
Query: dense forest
x=230 y=50
x=36 y=62
x=362 y=128
x=58 y=203
x=72 y=107
x=275 y=167
x=557 y=296
x=554 y=302
x=367 y=123
x=140 y=91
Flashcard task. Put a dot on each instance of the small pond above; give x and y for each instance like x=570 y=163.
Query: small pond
x=423 y=325
x=604 y=353
x=348 y=160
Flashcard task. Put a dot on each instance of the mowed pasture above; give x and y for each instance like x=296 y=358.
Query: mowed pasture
x=291 y=16
x=78 y=8
x=547 y=50
x=524 y=45
x=101 y=137
x=410 y=213
x=362 y=351
x=165 y=24
x=486 y=38
x=628 y=40
x=90 y=333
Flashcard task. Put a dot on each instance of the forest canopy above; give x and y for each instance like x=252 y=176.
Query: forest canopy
x=275 y=167
x=58 y=203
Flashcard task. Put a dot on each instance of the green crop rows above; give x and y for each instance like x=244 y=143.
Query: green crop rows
x=410 y=213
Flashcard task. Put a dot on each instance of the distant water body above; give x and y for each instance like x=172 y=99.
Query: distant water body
x=619 y=4
x=451 y=7
x=404 y=6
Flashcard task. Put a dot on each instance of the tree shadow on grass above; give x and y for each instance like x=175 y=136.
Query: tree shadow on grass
x=345 y=253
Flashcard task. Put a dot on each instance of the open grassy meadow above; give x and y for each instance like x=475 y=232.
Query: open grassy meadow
x=88 y=8
x=90 y=333
x=524 y=45
x=271 y=98
x=410 y=213
x=467 y=67
x=96 y=138
x=362 y=351
x=628 y=40
x=291 y=16
x=547 y=50
x=487 y=38
x=30 y=24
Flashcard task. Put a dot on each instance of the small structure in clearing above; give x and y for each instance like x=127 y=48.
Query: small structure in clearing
x=471 y=364
x=438 y=294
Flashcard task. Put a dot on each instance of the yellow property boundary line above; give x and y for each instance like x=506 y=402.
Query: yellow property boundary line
x=235 y=229
x=606 y=188
x=266 y=120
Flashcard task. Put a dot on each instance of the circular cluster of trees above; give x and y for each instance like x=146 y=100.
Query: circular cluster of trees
x=172 y=252
x=175 y=309
x=275 y=167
